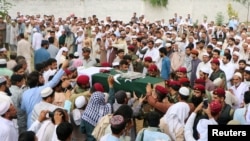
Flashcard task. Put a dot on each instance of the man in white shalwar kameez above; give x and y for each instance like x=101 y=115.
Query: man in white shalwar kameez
x=238 y=89
x=36 y=39
x=24 y=49
x=173 y=122
x=46 y=104
x=79 y=42
x=8 y=131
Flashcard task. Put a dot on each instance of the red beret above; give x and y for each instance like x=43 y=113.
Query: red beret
x=67 y=71
x=184 y=80
x=131 y=47
x=220 y=92
x=215 y=107
x=148 y=59
x=105 y=64
x=82 y=80
x=161 y=89
x=194 y=51
x=200 y=81
x=182 y=69
x=215 y=61
x=98 y=87
x=174 y=83
x=199 y=87
x=152 y=67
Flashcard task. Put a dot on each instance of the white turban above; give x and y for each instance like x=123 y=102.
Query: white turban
x=4 y=107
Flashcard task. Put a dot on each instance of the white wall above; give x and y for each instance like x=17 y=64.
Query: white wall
x=123 y=9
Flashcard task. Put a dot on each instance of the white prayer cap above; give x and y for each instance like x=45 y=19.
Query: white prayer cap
x=205 y=54
x=158 y=41
x=3 y=61
x=46 y=92
x=56 y=25
x=168 y=45
x=238 y=74
x=2 y=79
x=236 y=53
x=134 y=37
x=237 y=37
x=247 y=68
x=80 y=30
x=3 y=49
x=4 y=107
x=76 y=54
x=217 y=82
x=128 y=26
x=76 y=114
x=184 y=91
x=219 y=43
x=34 y=30
x=205 y=70
x=80 y=101
x=178 y=39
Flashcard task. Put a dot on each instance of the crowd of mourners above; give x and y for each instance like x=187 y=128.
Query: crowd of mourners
x=205 y=69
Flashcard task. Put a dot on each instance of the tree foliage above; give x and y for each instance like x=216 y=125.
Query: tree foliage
x=243 y=2
x=4 y=7
x=219 y=19
x=230 y=11
x=158 y=3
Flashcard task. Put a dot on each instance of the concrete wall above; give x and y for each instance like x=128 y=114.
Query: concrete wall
x=123 y=9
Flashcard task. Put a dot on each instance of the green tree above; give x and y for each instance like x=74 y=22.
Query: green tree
x=158 y=3
x=4 y=7
x=230 y=11
x=246 y=4
x=219 y=19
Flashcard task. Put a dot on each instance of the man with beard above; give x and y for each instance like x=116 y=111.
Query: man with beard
x=188 y=60
x=204 y=74
x=217 y=73
x=8 y=131
x=194 y=63
x=4 y=90
x=204 y=64
x=32 y=96
x=228 y=68
x=165 y=68
x=238 y=42
x=247 y=76
x=241 y=69
x=231 y=45
x=238 y=89
x=199 y=93
x=42 y=55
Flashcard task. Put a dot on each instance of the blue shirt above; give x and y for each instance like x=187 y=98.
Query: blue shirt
x=41 y=55
x=239 y=115
x=165 y=70
x=32 y=96
x=152 y=134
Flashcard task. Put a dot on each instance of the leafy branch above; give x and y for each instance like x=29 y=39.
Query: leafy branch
x=158 y=3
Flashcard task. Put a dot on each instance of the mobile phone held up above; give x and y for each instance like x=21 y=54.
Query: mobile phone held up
x=205 y=103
